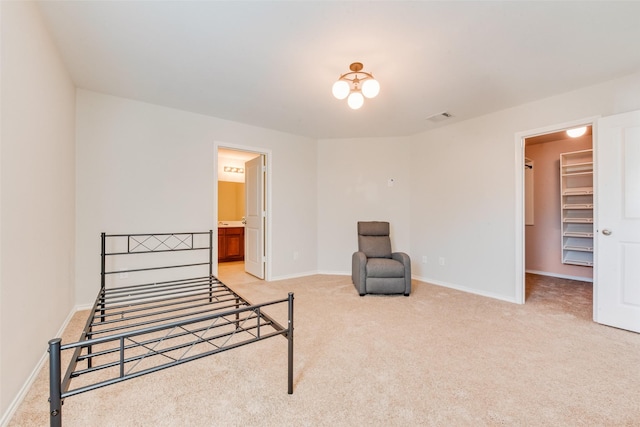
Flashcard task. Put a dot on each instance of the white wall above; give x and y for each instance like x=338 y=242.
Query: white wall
x=146 y=168
x=37 y=197
x=462 y=203
x=463 y=195
x=353 y=185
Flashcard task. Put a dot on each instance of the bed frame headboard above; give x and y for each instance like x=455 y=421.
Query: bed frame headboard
x=116 y=248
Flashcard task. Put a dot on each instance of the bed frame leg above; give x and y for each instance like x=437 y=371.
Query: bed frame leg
x=290 y=342
x=210 y=266
x=103 y=254
x=55 y=377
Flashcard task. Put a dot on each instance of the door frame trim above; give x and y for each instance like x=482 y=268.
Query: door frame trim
x=267 y=236
x=519 y=283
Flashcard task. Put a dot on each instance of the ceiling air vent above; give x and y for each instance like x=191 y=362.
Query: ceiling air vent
x=440 y=117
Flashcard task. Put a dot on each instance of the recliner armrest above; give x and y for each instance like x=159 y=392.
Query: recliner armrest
x=358 y=271
x=406 y=261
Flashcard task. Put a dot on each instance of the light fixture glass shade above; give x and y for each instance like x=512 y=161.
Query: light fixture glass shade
x=355 y=100
x=574 y=133
x=370 y=88
x=341 y=89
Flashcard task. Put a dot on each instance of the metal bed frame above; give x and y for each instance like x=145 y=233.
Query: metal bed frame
x=137 y=329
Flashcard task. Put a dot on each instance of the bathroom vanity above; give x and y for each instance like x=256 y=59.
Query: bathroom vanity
x=230 y=241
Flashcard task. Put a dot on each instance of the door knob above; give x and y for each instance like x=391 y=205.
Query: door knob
x=606 y=232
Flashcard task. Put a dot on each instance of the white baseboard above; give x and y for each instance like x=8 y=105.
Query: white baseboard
x=294 y=276
x=560 y=276
x=13 y=407
x=465 y=289
x=84 y=307
x=335 y=273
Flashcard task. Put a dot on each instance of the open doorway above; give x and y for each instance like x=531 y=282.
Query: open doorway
x=559 y=220
x=553 y=240
x=233 y=248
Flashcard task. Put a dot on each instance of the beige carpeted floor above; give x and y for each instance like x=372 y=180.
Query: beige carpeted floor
x=439 y=357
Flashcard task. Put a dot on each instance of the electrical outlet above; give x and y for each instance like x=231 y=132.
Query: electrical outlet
x=296 y=255
x=441 y=260
x=424 y=259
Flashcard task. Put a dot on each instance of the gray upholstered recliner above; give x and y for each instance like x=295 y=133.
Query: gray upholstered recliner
x=374 y=268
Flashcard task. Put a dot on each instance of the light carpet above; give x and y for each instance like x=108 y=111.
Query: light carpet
x=437 y=358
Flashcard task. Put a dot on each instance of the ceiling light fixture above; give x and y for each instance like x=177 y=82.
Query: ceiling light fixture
x=356 y=85
x=576 y=132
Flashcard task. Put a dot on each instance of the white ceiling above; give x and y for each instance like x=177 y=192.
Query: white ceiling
x=272 y=63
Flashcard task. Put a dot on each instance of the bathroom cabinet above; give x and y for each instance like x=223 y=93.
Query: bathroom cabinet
x=230 y=244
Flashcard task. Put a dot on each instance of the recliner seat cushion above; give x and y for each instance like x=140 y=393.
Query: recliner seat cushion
x=384 y=267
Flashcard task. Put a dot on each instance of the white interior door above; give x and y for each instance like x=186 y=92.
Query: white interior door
x=617 y=195
x=255 y=216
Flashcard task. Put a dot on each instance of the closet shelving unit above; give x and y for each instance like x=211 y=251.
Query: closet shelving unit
x=576 y=189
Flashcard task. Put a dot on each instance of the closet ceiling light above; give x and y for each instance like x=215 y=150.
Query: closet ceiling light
x=576 y=132
x=355 y=86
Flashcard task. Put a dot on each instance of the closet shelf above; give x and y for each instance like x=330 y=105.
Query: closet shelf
x=578 y=206
x=581 y=169
x=577 y=230
x=577 y=248
x=577 y=191
x=577 y=234
x=578 y=258
x=578 y=262
x=578 y=220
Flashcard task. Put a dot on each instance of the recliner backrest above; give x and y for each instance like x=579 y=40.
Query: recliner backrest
x=373 y=239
